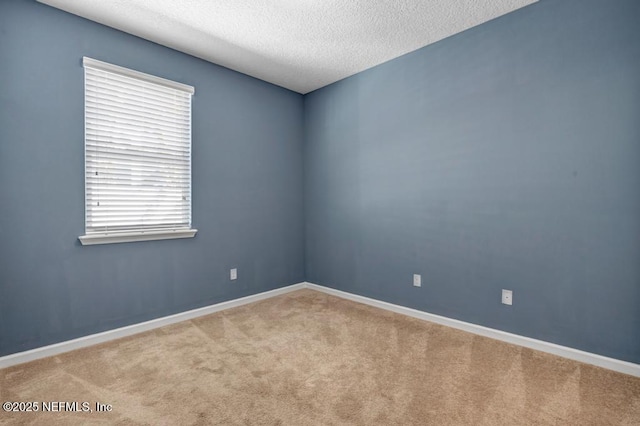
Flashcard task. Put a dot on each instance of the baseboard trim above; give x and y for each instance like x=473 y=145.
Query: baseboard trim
x=93 y=339
x=527 y=342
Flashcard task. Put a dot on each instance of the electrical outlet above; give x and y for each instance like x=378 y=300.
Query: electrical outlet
x=417 y=280
x=233 y=274
x=507 y=297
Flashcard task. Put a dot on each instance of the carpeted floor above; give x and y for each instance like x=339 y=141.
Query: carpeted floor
x=307 y=358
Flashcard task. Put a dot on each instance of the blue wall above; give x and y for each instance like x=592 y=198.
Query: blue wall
x=247 y=187
x=507 y=156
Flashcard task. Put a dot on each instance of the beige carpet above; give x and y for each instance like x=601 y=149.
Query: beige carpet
x=307 y=358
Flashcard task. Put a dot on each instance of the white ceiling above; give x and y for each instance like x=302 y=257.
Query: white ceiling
x=298 y=44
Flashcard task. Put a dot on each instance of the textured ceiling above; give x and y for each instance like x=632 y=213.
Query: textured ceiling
x=298 y=44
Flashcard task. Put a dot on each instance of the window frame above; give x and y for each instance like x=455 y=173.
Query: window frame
x=142 y=233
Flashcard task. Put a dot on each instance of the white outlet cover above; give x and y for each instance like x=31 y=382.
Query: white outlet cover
x=233 y=274
x=417 y=280
x=507 y=297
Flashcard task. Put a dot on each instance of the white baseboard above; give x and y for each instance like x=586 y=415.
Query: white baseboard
x=93 y=339
x=527 y=342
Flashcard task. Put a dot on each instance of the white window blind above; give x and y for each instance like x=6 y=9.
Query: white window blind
x=137 y=155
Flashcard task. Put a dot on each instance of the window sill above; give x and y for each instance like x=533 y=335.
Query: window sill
x=127 y=237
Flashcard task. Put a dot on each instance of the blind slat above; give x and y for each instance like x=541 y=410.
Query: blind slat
x=141 y=156
x=106 y=103
x=93 y=65
x=136 y=142
x=137 y=120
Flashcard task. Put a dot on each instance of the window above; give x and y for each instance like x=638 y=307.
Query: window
x=137 y=156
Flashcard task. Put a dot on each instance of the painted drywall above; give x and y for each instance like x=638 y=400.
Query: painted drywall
x=247 y=187
x=506 y=156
